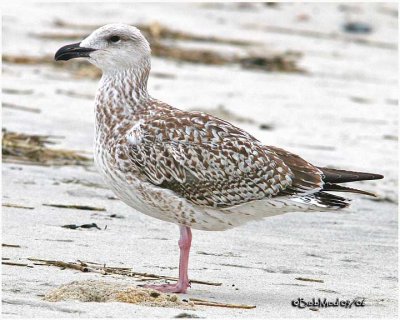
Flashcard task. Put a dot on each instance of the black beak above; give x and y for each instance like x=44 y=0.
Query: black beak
x=72 y=51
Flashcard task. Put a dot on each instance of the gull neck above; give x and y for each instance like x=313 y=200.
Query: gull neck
x=128 y=86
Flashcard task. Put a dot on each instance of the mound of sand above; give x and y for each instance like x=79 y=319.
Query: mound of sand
x=102 y=291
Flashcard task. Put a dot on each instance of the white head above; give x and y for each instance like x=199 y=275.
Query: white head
x=112 y=48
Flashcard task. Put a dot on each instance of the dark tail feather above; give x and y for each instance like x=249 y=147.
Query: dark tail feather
x=338 y=188
x=341 y=176
x=333 y=176
x=331 y=200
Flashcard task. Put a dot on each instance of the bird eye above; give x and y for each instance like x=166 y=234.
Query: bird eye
x=115 y=39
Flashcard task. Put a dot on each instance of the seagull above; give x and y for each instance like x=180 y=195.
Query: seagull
x=190 y=168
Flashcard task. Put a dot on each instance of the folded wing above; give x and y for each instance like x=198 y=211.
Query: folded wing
x=212 y=163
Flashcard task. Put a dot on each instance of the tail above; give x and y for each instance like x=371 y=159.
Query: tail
x=322 y=201
x=333 y=176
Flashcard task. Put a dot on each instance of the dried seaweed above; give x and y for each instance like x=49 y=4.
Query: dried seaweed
x=18 y=107
x=15 y=264
x=201 y=302
x=116 y=216
x=17 y=91
x=286 y=61
x=31 y=149
x=387 y=199
x=187 y=315
x=152 y=31
x=12 y=205
x=104 y=270
x=74 y=206
x=310 y=280
x=156 y=34
x=86 y=266
x=73 y=94
x=10 y=245
x=204 y=56
x=79 y=69
x=83 y=226
x=85 y=183
x=28 y=60
x=323 y=35
x=279 y=62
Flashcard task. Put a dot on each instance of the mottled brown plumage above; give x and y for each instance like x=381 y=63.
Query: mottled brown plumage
x=189 y=168
x=204 y=159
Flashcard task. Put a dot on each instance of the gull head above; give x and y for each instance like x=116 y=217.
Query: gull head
x=113 y=48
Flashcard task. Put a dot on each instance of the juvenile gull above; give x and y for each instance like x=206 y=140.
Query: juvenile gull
x=190 y=168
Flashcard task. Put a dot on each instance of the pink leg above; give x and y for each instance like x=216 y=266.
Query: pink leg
x=183 y=283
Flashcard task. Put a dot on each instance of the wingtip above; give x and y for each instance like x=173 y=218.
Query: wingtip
x=342 y=176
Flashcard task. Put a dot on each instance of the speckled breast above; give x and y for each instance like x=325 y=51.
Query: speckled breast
x=124 y=186
x=138 y=194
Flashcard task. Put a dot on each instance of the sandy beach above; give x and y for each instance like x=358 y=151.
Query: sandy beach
x=293 y=75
